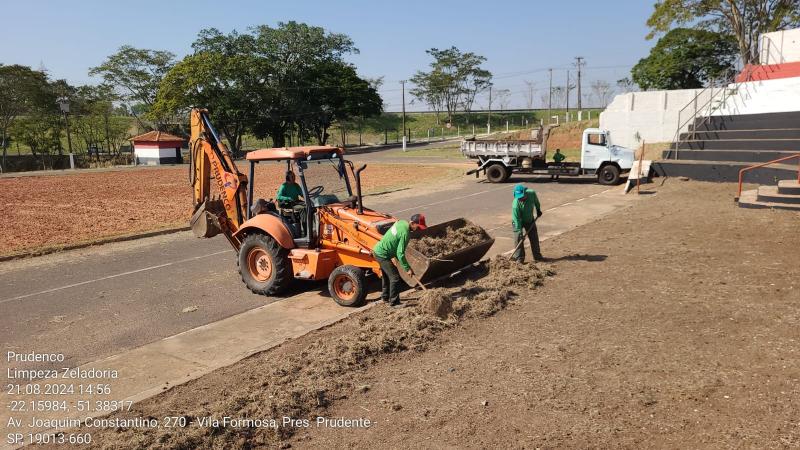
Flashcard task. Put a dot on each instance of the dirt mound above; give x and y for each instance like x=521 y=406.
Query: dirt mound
x=452 y=240
x=303 y=384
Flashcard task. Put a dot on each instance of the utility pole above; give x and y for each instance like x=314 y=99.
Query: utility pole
x=568 y=93
x=550 y=98
x=403 y=83
x=578 y=64
x=489 y=121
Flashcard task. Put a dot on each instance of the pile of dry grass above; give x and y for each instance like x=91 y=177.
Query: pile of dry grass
x=306 y=382
x=453 y=240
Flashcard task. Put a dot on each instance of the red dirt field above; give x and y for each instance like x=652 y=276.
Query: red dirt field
x=41 y=212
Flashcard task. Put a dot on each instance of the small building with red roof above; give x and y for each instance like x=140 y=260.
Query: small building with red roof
x=157 y=147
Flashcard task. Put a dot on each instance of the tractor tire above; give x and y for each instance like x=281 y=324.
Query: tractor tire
x=497 y=173
x=264 y=265
x=608 y=175
x=348 y=286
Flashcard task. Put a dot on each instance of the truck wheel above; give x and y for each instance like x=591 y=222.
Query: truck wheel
x=264 y=265
x=608 y=175
x=497 y=173
x=348 y=285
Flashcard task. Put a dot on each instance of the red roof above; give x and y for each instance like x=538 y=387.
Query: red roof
x=157 y=136
x=272 y=154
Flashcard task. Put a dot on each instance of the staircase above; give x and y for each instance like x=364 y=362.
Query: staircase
x=716 y=148
x=786 y=195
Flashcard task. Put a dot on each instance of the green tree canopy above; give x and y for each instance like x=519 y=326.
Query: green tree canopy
x=745 y=20
x=270 y=82
x=686 y=59
x=22 y=91
x=453 y=82
x=136 y=74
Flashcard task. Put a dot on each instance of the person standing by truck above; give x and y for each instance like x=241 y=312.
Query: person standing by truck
x=522 y=220
x=393 y=245
x=558 y=158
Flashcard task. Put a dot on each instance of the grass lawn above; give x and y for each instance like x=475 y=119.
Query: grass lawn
x=451 y=151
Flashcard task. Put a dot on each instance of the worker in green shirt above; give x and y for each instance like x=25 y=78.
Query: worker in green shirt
x=522 y=220
x=393 y=245
x=558 y=158
x=288 y=197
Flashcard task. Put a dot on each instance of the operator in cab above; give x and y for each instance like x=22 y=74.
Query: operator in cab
x=393 y=245
x=290 y=191
x=289 y=197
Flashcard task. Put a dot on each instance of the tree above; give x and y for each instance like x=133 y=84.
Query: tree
x=223 y=76
x=626 y=85
x=22 y=90
x=136 y=74
x=745 y=20
x=503 y=98
x=686 y=59
x=41 y=131
x=602 y=90
x=272 y=82
x=453 y=82
x=559 y=95
x=354 y=98
x=529 y=92
x=94 y=122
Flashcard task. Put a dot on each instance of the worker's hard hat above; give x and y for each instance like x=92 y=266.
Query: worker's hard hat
x=419 y=219
x=519 y=191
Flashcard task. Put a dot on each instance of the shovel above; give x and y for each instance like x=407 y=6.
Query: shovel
x=522 y=241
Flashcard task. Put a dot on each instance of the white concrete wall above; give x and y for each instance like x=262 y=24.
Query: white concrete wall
x=759 y=97
x=650 y=116
x=152 y=152
x=780 y=47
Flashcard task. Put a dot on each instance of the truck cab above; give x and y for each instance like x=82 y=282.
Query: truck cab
x=602 y=158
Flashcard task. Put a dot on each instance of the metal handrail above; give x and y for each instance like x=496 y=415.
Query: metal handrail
x=756 y=166
x=708 y=104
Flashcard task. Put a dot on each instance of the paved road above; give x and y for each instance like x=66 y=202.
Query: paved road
x=96 y=302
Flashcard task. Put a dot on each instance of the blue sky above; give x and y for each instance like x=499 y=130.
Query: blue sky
x=520 y=39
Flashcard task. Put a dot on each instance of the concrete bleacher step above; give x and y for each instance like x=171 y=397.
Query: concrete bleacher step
x=747 y=121
x=771 y=194
x=749 y=199
x=726 y=155
x=789 y=187
x=721 y=171
x=767 y=133
x=755 y=144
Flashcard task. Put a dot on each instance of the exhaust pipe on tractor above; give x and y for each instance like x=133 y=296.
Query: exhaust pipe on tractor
x=358 y=189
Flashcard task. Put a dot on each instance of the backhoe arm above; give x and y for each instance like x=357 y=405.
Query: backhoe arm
x=210 y=157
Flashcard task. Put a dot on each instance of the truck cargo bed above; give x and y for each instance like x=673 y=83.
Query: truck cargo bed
x=499 y=149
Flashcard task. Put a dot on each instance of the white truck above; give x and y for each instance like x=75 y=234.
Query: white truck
x=499 y=159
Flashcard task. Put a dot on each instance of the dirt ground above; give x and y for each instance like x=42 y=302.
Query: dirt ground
x=51 y=211
x=673 y=324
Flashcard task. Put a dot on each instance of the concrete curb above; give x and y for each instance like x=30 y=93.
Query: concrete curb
x=110 y=240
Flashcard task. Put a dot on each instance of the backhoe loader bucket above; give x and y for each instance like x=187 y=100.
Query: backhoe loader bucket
x=428 y=269
x=203 y=223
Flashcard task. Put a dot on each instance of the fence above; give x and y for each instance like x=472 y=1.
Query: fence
x=26 y=163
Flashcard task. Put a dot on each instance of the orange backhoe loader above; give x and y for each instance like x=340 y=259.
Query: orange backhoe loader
x=328 y=234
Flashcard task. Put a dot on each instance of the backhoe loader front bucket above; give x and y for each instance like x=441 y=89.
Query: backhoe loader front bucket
x=204 y=224
x=428 y=269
